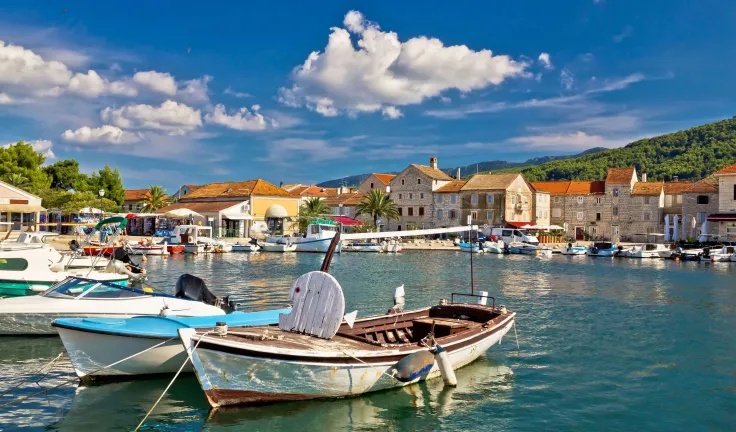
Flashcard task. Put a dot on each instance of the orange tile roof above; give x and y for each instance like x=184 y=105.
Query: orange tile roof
x=731 y=169
x=702 y=186
x=238 y=189
x=192 y=187
x=431 y=172
x=647 y=188
x=136 y=194
x=313 y=191
x=346 y=199
x=384 y=178
x=453 y=186
x=568 y=187
x=678 y=187
x=201 y=207
x=620 y=176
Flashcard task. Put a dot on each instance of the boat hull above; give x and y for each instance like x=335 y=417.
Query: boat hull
x=15 y=288
x=233 y=379
x=573 y=251
x=375 y=248
x=148 y=250
x=315 y=245
x=97 y=250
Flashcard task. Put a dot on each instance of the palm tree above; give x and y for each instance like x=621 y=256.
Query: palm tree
x=311 y=209
x=377 y=204
x=155 y=199
x=17 y=180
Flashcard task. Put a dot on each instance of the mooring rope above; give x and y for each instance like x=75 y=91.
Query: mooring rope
x=23 y=380
x=181 y=368
x=20 y=399
x=517 y=337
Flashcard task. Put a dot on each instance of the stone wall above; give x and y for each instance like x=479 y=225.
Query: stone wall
x=489 y=207
x=691 y=209
x=444 y=202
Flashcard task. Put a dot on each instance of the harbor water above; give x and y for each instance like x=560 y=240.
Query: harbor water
x=606 y=344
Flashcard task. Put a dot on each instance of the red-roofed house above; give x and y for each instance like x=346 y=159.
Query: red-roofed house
x=581 y=206
x=726 y=216
x=183 y=190
x=376 y=180
x=133 y=202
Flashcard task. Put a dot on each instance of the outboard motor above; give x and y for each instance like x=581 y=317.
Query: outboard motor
x=121 y=263
x=191 y=287
x=74 y=245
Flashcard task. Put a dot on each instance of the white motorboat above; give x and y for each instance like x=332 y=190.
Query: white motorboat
x=39 y=240
x=197 y=239
x=392 y=246
x=32 y=270
x=317 y=238
x=495 y=247
x=148 y=249
x=529 y=249
x=647 y=250
x=363 y=247
x=571 y=249
x=467 y=247
x=603 y=249
x=718 y=254
x=312 y=354
x=87 y=298
x=248 y=247
x=278 y=247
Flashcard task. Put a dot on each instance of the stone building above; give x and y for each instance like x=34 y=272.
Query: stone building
x=447 y=204
x=699 y=201
x=643 y=214
x=726 y=216
x=581 y=207
x=619 y=185
x=497 y=200
x=134 y=200
x=541 y=208
x=376 y=180
x=345 y=205
x=412 y=191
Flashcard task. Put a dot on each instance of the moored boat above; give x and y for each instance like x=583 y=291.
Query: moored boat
x=525 y=249
x=248 y=247
x=278 y=247
x=647 y=250
x=363 y=247
x=494 y=247
x=467 y=247
x=571 y=249
x=603 y=249
x=317 y=238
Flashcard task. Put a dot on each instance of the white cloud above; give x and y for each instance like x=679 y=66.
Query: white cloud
x=625 y=33
x=573 y=141
x=567 y=79
x=383 y=71
x=392 y=112
x=240 y=120
x=66 y=56
x=196 y=90
x=161 y=82
x=171 y=117
x=619 y=84
x=5 y=99
x=231 y=92
x=544 y=59
x=122 y=88
x=104 y=134
x=43 y=146
x=89 y=84
x=22 y=67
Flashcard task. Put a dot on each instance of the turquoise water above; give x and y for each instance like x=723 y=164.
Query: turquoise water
x=605 y=345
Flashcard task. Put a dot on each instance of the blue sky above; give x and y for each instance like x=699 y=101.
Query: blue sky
x=175 y=92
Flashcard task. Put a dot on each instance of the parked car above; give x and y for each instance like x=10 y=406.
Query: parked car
x=510 y=235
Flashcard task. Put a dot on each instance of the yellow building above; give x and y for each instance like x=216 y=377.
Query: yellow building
x=242 y=209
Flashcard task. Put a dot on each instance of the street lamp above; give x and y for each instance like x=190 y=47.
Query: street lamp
x=340 y=218
x=101 y=192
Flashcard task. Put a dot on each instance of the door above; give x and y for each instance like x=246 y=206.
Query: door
x=579 y=233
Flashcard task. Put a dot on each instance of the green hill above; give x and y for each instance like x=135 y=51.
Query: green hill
x=689 y=154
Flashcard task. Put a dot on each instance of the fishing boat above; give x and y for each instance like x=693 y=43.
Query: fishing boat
x=317 y=238
x=87 y=298
x=603 y=249
x=149 y=249
x=363 y=247
x=197 y=239
x=525 y=249
x=93 y=343
x=571 y=249
x=718 y=253
x=313 y=354
x=648 y=250
x=278 y=247
x=467 y=247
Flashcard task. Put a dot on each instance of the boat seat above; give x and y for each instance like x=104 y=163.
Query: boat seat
x=442 y=326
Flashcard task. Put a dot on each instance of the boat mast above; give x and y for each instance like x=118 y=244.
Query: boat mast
x=470 y=240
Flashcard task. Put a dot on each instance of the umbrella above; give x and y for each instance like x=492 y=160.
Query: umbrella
x=667 y=228
x=182 y=213
x=675 y=231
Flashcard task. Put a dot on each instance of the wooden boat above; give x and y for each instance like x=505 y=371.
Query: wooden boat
x=312 y=354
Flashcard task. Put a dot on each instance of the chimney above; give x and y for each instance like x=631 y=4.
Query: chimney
x=433 y=162
x=644 y=177
x=675 y=178
x=458 y=174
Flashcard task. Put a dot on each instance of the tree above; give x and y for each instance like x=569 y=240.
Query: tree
x=72 y=202
x=377 y=204
x=310 y=210
x=17 y=180
x=22 y=159
x=109 y=180
x=155 y=199
x=65 y=175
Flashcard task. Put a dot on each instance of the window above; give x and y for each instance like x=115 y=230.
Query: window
x=400 y=196
x=668 y=201
x=419 y=181
x=646 y=200
x=402 y=182
x=598 y=200
x=556 y=212
x=597 y=216
x=646 y=216
x=730 y=229
x=13 y=264
x=558 y=199
x=474 y=199
x=581 y=215
x=701 y=217
x=453 y=215
x=410 y=212
x=421 y=195
x=581 y=199
x=474 y=215
x=438 y=198
x=421 y=211
x=615 y=211
x=702 y=199
x=371 y=185
x=678 y=199
x=401 y=211
x=411 y=195
x=399 y=228
x=453 y=198
x=513 y=199
x=489 y=198
x=489 y=215
x=615 y=192
x=513 y=216
x=439 y=214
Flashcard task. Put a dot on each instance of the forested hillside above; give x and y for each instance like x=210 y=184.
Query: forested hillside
x=690 y=154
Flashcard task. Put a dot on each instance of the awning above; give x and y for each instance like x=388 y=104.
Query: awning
x=344 y=220
x=518 y=224
x=276 y=211
x=21 y=208
x=722 y=217
x=237 y=216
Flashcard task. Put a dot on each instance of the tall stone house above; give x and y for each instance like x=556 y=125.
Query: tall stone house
x=619 y=185
x=645 y=212
x=726 y=216
x=699 y=201
x=448 y=205
x=580 y=207
x=376 y=181
x=412 y=191
x=541 y=208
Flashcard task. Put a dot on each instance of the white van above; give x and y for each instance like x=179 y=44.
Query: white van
x=509 y=235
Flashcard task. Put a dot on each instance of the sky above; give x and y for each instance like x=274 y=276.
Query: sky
x=303 y=92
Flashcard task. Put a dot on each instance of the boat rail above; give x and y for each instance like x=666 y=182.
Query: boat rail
x=452 y=297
